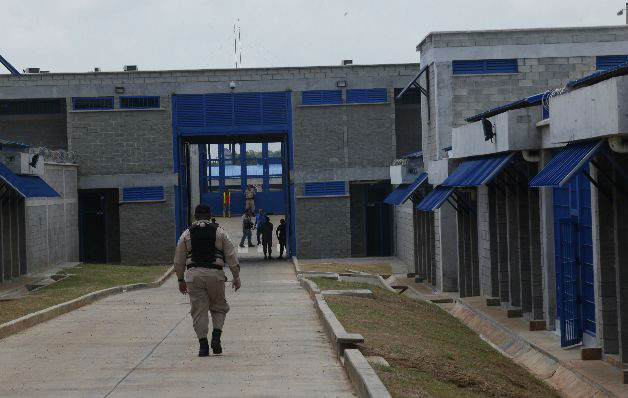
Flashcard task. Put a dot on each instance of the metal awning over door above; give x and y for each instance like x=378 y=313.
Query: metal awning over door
x=404 y=191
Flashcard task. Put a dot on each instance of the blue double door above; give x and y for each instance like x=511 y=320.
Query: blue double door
x=574 y=260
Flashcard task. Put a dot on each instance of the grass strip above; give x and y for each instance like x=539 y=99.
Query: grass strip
x=371 y=268
x=83 y=279
x=431 y=353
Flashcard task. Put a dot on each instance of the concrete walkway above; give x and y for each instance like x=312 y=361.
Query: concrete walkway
x=141 y=344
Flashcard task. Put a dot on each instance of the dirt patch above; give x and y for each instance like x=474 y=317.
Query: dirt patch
x=371 y=268
x=431 y=353
x=82 y=280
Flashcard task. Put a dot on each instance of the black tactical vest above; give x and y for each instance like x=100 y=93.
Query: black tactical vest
x=203 y=237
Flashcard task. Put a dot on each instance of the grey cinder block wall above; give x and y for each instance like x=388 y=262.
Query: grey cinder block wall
x=52 y=223
x=128 y=148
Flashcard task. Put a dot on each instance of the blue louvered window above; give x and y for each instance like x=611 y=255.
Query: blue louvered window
x=484 y=66
x=606 y=62
x=92 y=103
x=328 y=188
x=367 y=96
x=232 y=110
x=143 y=194
x=139 y=102
x=321 y=97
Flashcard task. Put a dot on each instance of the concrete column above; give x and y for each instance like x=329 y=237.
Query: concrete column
x=7 y=256
x=525 y=268
x=512 y=215
x=502 y=242
x=5 y=272
x=493 y=277
x=475 y=261
x=421 y=237
x=15 y=238
x=535 y=251
x=22 y=236
x=195 y=189
x=548 y=263
x=448 y=247
x=431 y=259
x=621 y=243
x=462 y=282
x=415 y=237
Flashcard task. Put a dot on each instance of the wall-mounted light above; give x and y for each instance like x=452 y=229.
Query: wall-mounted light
x=341 y=83
x=232 y=85
x=119 y=90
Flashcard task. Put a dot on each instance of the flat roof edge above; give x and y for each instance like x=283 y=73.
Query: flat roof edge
x=551 y=29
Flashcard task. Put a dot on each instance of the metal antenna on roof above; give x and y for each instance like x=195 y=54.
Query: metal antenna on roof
x=237 y=43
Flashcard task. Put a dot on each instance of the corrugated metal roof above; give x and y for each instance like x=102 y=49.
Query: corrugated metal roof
x=566 y=163
x=598 y=77
x=527 y=102
x=27 y=186
x=480 y=171
x=403 y=192
x=435 y=199
x=12 y=144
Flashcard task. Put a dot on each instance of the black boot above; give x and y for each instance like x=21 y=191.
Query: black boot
x=203 y=349
x=216 y=347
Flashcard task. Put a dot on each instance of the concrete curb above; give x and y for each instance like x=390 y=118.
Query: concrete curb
x=363 y=377
x=558 y=374
x=295 y=264
x=27 y=321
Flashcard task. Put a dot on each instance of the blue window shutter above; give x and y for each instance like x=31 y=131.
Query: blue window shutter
x=232 y=111
x=367 y=96
x=274 y=106
x=321 y=97
x=247 y=109
x=218 y=109
x=139 y=102
x=143 y=194
x=189 y=112
x=92 y=103
x=606 y=62
x=484 y=66
x=328 y=188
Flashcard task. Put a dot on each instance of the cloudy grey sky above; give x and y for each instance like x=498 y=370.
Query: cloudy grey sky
x=77 y=35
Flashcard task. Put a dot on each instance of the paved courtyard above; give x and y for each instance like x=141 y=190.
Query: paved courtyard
x=141 y=344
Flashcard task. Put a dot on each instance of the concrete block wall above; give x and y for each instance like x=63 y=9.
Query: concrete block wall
x=484 y=240
x=323 y=227
x=122 y=142
x=52 y=223
x=49 y=131
x=404 y=234
x=147 y=230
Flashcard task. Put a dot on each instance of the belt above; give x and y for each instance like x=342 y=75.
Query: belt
x=210 y=266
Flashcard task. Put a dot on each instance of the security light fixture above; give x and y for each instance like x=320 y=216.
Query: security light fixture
x=119 y=90
x=232 y=85
x=489 y=132
x=623 y=11
x=341 y=83
x=620 y=12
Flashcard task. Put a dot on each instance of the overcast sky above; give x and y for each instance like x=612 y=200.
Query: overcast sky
x=78 y=35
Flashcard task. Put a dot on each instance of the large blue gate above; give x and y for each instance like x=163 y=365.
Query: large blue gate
x=232 y=118
x=574 y=260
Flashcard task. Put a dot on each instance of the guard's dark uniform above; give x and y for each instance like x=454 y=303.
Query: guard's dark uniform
x=267 y=238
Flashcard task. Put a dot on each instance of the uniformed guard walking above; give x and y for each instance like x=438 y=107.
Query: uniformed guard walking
x=202 y=252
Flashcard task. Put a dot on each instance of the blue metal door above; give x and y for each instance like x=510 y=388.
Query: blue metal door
x=574 y=260
x=569 y=284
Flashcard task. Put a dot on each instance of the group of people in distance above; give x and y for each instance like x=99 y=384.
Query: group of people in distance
x=264 y=230
x=263 y=226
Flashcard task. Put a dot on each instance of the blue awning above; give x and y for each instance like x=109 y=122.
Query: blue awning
x=27 y=186
x=435 y=199
x=480 y=171
x=404 y=191
x=566 y=163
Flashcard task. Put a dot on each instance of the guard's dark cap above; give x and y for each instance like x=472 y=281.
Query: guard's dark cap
x=202 y=210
